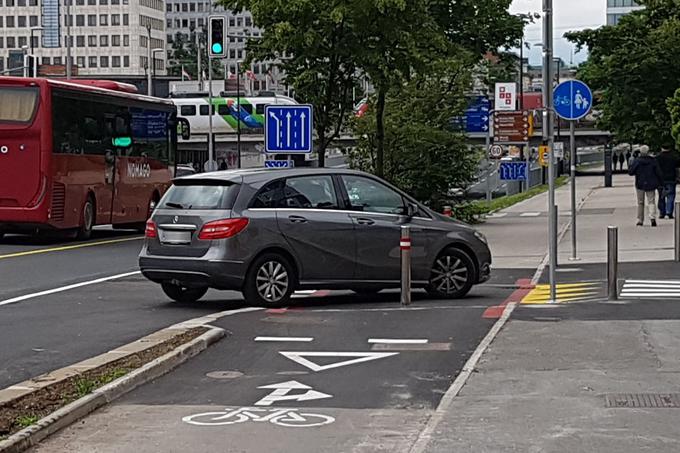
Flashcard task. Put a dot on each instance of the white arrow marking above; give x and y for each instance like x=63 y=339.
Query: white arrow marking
x=288 y=130
x=278 y=129
x=302 y=127
x=299 y=357
x=282 y=390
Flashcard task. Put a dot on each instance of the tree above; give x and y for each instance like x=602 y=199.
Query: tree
x=315 y=46
x=183 y=52
x=634 y=67
x=422 y=156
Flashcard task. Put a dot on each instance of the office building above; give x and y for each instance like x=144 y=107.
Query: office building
x=108 y=37
x=619 y=8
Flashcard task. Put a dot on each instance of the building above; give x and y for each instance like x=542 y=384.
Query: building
x=108 y=37
x=619 y=8
x=186 y=16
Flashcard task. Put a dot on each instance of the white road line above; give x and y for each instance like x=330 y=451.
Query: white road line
x=14 y=300
x=300 y=339
x=530 y=214
x=659 y=289
x=498 y=216
x=397 y=341
x=650 y=286
x=660 y=282
x=652 y=296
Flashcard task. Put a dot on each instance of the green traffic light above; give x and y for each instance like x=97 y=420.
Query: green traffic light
x=217 y=47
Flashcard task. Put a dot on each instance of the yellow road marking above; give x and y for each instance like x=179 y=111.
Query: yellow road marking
x=566 y=292
x=69 y=247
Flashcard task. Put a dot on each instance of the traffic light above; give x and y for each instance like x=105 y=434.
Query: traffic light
x=217 y=32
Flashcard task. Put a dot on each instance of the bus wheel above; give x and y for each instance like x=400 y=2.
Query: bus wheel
x=85 y=230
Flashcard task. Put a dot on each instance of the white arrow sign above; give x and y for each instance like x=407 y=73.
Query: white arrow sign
x=288 y=131
x=278 y=129
x=299 y=357
x=302 y=127
x=282 y=390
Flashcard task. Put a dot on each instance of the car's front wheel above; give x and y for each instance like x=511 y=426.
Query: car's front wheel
x=270 y=281
x=452 y=275
x=183 y=294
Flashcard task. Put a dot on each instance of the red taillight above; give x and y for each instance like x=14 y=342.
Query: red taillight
x=151 y=230
x=222 y=229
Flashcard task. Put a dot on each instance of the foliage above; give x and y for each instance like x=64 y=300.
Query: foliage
x=183 y=52
x=674 y=110
x=422 y=156
x=635 y=67
x=24 y=421
x=318 y=42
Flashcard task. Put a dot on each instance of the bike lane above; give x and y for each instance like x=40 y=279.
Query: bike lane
x=328 y=376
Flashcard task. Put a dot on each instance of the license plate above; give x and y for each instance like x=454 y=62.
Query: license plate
x=175 y=237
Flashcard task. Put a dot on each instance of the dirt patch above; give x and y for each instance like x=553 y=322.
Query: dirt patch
x=25 y=411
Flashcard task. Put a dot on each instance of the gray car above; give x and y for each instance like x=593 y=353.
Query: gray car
x=269 y=232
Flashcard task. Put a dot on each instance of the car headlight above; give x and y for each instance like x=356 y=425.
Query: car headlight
x=481 y=237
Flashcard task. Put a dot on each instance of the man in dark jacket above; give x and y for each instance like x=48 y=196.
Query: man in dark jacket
x=669 y=164
x=648 y=179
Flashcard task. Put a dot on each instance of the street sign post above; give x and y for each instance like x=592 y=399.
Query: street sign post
x=495 y=151
x=511 y=127
x=573 y=101
x=513 y=171
x=288 y=129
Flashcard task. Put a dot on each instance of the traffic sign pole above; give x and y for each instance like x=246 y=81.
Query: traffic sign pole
x=548 y=137
x=572 y=152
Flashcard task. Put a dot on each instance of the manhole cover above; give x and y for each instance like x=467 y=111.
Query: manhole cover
x=643 y=400
x=224 y=374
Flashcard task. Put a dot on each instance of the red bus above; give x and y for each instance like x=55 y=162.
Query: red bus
x=74 y=155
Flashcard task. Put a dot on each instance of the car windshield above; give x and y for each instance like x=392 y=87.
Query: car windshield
x=199 y=196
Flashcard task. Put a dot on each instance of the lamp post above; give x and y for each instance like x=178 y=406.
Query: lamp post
x=69 y=18
x=149 y=58
x=153 y=64
x=33 y=58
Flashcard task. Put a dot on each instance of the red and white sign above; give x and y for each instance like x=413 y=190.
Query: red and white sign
x=506 y=97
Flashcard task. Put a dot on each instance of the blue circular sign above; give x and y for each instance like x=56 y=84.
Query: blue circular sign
x=573 y=100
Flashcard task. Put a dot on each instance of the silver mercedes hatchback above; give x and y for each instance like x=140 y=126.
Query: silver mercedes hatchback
x=269 y=232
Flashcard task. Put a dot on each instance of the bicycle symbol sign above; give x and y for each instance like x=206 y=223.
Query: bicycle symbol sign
x=289 y=418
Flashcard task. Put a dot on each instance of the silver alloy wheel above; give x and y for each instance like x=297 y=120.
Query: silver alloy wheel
x=88 y=216
x=272 y=281
x=451 y=274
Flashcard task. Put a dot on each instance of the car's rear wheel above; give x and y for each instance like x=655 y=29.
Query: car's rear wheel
x=270 y=281
x=87 y=218
x=183 y=294
x=452 y=275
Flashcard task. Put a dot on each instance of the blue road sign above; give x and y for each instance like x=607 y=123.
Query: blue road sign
x=476 y=116
x=288 y=129
x=513 y=171
x=278 y=164
x=573 y=100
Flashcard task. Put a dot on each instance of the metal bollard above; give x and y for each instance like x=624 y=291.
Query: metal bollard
x=448 y=211
x=677 y=232
x=405 y=246
x=612 y=262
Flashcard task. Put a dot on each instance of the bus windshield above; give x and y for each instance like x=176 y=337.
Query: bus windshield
x=17 y=105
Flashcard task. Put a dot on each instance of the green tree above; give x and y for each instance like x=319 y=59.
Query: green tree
x=424 y=157
x=315 y=44
x=635 y=67
x=674 y=110
x=183 y=52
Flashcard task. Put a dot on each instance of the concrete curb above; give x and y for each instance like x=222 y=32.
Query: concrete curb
x=78 y=409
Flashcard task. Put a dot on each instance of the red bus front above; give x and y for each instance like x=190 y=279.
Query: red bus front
x=74 y=156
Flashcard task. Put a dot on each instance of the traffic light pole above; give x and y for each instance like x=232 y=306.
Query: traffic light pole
x=211 y=151
x=549 y=139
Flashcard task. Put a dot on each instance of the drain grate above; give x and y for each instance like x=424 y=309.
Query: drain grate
x=643 y=400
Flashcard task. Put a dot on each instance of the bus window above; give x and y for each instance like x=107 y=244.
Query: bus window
x=248 y=108
x=18 y=105
x=259 y=109
x=188 y=110
x=204 y=110
x=223 y=109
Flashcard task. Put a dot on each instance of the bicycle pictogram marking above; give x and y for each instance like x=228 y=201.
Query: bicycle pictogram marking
x=286 y=417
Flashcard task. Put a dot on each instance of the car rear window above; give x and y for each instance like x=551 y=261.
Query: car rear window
x=201 y=195
x=18 y=105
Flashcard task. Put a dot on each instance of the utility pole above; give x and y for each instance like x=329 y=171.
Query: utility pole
x=149 y=57
x=198 y=57
x=68 y=39
x=549 y=139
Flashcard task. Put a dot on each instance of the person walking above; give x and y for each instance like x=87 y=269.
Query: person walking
x=648 y=179
x=669 y=164
x=622 y=159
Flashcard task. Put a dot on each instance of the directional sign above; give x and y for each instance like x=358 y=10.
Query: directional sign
x=513 y=171
x=511 y=127
x=278 y=164
x=573 y=100
x=506 y=96
x=282 y=390
x=475 y=117
x=288 y=129
x=356 y=357
x=495 y=151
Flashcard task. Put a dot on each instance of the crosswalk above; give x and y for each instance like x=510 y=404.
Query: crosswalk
x=566 y=293
x=651 y=289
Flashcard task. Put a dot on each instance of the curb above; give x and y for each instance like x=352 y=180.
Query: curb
x=78 y=409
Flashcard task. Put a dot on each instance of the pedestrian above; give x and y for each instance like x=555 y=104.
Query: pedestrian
x=648 y=179
x=629 y=155
x=622 y=159
x=669 y=164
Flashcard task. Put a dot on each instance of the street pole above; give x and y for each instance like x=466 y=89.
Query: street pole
x=548 y=138
x=149 y=80
x=487 y=140
x=211 y=151
x=198 y=57
x=68 y=39
x=238 y=112
x=572 y=152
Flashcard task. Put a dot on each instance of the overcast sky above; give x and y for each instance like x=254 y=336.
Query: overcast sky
x=568 y=15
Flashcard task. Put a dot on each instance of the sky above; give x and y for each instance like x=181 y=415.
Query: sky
x=568 y=15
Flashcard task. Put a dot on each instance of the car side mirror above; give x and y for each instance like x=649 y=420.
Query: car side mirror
x=411 y=210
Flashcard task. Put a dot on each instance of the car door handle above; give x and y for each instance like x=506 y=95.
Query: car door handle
x=362 y=221
x=297 y=219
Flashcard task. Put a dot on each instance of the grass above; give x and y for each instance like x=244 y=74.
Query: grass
x=27 y=420
x=86 y=386
x=509 y=200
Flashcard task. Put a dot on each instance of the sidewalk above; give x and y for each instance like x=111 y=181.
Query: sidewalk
x=570 y=378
